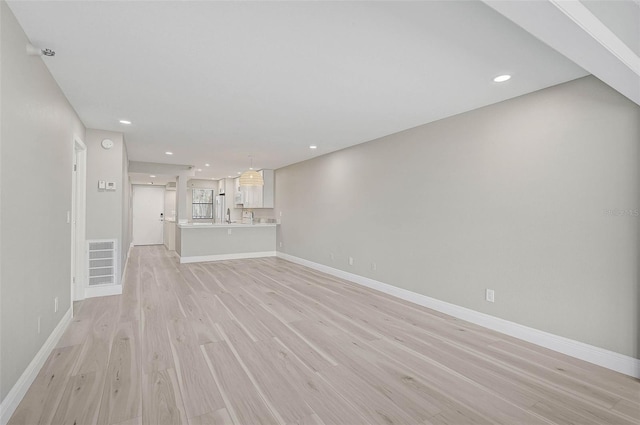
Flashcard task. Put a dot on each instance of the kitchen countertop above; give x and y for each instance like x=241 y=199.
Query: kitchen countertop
x=221 y=225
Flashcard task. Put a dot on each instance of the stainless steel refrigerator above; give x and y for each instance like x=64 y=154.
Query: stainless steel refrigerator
x=221 y=209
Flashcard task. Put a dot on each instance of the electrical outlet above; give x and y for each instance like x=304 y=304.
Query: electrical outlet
x=374 y=266
x=280 y=244
x=351 y=261
x=39 y=325
x=55 y=305
x=332 y=256
x=490 y=295
x=228 y=231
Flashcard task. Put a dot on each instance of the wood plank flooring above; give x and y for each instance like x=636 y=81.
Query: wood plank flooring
x=265 y=341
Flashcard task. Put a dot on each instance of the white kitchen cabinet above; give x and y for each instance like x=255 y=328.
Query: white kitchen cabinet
x=256 y=196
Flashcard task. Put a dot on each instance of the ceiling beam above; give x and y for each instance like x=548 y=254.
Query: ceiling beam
x=570 y=28
x=158 y=168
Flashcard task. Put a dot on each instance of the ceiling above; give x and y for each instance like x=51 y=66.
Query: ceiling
x=215 y=82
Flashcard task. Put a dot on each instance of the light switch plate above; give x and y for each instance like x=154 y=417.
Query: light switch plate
x=111 y=185
x=490 y=295
x=102 y=184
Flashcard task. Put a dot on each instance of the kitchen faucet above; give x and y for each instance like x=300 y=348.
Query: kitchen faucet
x=228 y=216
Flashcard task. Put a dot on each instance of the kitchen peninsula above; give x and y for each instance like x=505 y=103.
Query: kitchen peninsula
x=196 y=242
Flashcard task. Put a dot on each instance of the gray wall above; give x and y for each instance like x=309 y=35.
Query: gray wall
x=37 y=130
x=514 y=197
x=107 y=211
x=127 y=229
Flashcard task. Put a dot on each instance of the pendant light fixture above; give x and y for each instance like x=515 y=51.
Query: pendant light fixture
x=251 y=177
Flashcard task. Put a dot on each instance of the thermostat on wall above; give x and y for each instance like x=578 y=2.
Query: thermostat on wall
x=111 y=185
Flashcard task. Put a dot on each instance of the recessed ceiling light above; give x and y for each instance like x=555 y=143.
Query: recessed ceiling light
x=230 y=177
x=125 y=122
x=152 y=176
x=168 y=153
x=313 y=147
x=502 y=78
x=199 y=169
x=239 y=172
x=206 y=165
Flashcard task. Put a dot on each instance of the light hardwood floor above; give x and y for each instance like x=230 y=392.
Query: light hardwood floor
x=265 y=341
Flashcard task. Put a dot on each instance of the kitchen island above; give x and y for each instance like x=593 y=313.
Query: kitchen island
x=197 y=242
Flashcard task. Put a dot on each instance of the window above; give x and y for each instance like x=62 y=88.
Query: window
x=202 y=203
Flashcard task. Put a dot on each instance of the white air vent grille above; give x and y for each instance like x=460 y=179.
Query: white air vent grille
x=102 y=262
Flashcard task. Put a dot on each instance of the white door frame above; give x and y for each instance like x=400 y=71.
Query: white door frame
x=78 y=220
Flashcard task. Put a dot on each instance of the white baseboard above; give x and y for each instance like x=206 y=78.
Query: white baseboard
x=592 y=354
x=102 y=291
x=220 y=257
x=15 y=396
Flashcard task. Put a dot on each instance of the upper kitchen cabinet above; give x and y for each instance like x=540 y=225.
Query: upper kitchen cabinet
x=256 y=196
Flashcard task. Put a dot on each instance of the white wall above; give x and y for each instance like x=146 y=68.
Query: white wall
x=38 y=126
x=514 y=197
